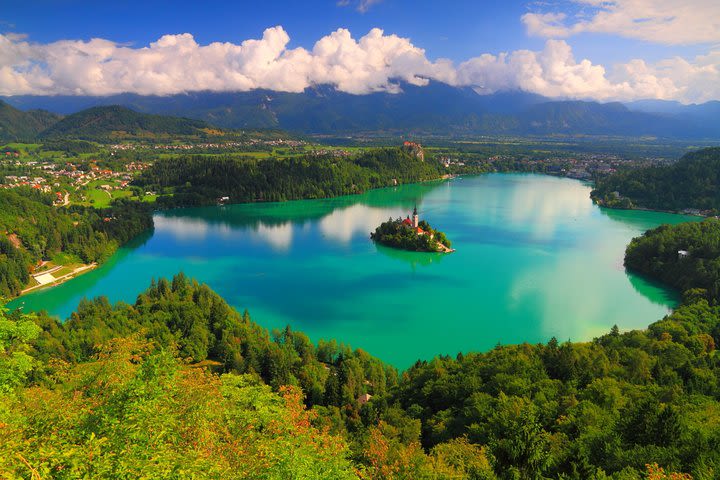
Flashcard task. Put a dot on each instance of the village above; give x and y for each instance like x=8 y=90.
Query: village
x=581 y=166
x=82 y=181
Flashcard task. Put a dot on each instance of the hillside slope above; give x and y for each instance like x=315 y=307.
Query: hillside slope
x=691 y=183
x=116 y=122
x=18 y=125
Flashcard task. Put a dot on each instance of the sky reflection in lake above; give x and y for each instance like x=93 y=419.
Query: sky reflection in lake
x=535 y=259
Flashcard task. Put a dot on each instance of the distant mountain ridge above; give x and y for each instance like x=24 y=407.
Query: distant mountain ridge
x=434 y=109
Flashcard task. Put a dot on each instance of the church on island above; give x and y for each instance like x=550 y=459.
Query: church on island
x=411 y=234
x=415 y=223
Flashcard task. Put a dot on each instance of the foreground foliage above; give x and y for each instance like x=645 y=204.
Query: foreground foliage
x=134 y=411
x=142 y=406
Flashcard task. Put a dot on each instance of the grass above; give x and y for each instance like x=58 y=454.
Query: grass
x=97 y=198
x=63 y=271
x=100 y=198
x=23 y=147
x=121 y=194
x=62 y=258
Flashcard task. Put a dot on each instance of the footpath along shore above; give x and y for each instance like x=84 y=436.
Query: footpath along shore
x=47 y=279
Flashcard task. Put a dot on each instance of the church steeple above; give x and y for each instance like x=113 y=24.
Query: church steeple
x=415 y=217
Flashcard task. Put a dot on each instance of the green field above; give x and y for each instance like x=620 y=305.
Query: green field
x=98 y=197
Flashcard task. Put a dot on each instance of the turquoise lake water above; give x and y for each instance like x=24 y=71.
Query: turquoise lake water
x=535 y=259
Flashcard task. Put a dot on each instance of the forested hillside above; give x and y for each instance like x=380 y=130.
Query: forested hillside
x=137 y=411
x=200 y=180
x=32 y=229
x=685 y=256
x=116 y=123
x=18 y=125
x=691 y=183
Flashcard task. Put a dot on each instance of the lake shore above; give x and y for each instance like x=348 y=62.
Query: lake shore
x=646 y=209
x=520 y=239
x=48 y=280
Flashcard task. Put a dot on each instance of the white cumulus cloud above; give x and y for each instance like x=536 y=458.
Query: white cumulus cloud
x=668 y=22
x=555 y=72
x=376 y=62
x=177 y=63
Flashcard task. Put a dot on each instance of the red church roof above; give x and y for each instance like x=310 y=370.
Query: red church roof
x=407 y=221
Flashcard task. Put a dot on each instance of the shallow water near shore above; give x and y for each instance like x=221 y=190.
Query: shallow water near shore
x=535 y=259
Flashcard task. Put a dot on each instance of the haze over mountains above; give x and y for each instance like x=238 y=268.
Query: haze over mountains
x=437 y=109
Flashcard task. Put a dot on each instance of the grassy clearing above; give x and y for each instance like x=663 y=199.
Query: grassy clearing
x=63 y=271
x=62 y=258
x=97 y=198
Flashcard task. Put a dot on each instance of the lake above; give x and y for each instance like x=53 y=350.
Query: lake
x=535 y=259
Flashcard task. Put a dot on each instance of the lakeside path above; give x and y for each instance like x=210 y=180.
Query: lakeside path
x=58 y=280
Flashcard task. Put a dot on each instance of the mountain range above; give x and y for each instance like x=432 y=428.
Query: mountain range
x=437 y=109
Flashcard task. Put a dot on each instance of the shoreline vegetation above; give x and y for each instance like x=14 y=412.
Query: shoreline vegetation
x=383 y=163
x=690 y=186
x=441 y=247
x=57 y=280
x=195 y=180
x=189 y=181
x=43 y=243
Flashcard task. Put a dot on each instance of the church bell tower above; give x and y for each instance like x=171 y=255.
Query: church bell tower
x=415 y=217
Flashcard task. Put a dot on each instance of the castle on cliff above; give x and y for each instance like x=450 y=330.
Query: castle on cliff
x=414 y=149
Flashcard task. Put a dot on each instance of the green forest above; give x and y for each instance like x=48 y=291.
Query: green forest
x=34 y=230
x=202 y=180
x=179 y=384
x=686 y=256
x=110 y=123
x=396 y=234
x=691 y=183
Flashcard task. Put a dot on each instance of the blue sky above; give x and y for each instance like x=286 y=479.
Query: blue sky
x=459 y=30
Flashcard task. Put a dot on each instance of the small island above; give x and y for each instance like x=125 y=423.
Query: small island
x=411 y=234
